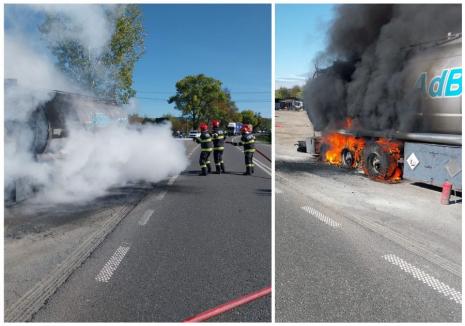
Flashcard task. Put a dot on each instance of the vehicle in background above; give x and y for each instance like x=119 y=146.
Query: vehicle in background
x=194 y=134
x=290 y=104
x=234 y=128
x=178 y=134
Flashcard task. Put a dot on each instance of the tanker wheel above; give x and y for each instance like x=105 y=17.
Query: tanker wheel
x=376 y=162
x=347 y=159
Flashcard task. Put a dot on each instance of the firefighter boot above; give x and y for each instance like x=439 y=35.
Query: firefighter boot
x=218 y=169
x=204 y=171
x=252 y=169
x=222 y=168
x=209 y=167
x=247 y=172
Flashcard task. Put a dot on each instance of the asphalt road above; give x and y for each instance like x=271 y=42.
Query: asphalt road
x=329 y=268
x=187 y=247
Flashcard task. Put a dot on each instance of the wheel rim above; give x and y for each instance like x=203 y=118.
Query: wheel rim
x=374 y=163
x=347 y=158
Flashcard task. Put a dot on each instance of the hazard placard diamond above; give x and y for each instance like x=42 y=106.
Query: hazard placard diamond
x=412 y=161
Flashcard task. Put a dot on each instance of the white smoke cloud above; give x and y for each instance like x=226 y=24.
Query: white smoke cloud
x=88 y=24
x=94 y=161
x=89 y=161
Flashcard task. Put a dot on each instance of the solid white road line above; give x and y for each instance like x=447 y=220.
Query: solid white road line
x=322 y=217
x=258 y=163
x=262 y=166
x=429 y=280
x=111 y=266
x=145 y=218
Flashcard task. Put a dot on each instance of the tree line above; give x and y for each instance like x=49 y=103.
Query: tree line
x=283 y=93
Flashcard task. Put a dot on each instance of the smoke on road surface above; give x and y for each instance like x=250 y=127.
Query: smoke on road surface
x=89 y=161
x=365 y=63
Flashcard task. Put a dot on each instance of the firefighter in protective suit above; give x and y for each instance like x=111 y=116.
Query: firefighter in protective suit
x=206 y=147
x=218 y=136
x=248 y=141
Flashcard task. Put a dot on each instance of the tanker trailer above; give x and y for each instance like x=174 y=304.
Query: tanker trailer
x=39 y=136
x=430 y=150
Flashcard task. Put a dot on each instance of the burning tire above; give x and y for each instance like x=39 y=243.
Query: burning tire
x=378 y=163
x=347 y=158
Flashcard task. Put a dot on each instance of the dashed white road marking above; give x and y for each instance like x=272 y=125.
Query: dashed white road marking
x=161 y=195
x=429 y=280
x=322 y=217
x=110 y=267
x=278 y=191
x=172 y=179
x=193 y=150
x=145 y=218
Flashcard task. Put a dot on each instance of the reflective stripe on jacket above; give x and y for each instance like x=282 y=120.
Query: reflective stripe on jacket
x=248 y=140
x=205 y=141
x=218 y=137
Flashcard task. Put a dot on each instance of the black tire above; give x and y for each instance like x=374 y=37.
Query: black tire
x=376 y=162
x=40 y=129
x=347 y=159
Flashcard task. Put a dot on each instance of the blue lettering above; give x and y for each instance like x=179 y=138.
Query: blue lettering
x=421 y=82
x=437 y=85
x=454 y=83
x=447 y=84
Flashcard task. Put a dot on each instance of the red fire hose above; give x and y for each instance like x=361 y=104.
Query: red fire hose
x=228 y=306
x=256 y=150
x=261 y=153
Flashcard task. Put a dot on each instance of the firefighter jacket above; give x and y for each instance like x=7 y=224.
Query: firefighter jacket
x=218 y=136
x=248 y=140
x=205 y=141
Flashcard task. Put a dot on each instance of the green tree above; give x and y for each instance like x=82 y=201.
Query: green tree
x=176 y=123
x=108 y=72
x=282 y=93
x=250 y=117
x=201 y=98
x=296 y=92
x=235 y=117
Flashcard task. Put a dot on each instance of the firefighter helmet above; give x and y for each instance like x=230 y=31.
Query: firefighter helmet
x=244 y=129
x=215 y=123
x=203 y=126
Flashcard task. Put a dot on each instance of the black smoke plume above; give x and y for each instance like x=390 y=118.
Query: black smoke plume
x=368 y=47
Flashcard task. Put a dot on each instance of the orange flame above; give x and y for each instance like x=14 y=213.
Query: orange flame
x=333 y=145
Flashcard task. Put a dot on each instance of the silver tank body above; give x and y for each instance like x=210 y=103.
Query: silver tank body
x=437 y=71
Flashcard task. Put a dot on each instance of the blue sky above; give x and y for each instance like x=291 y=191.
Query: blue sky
x=231 y=43
x=300 y=34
